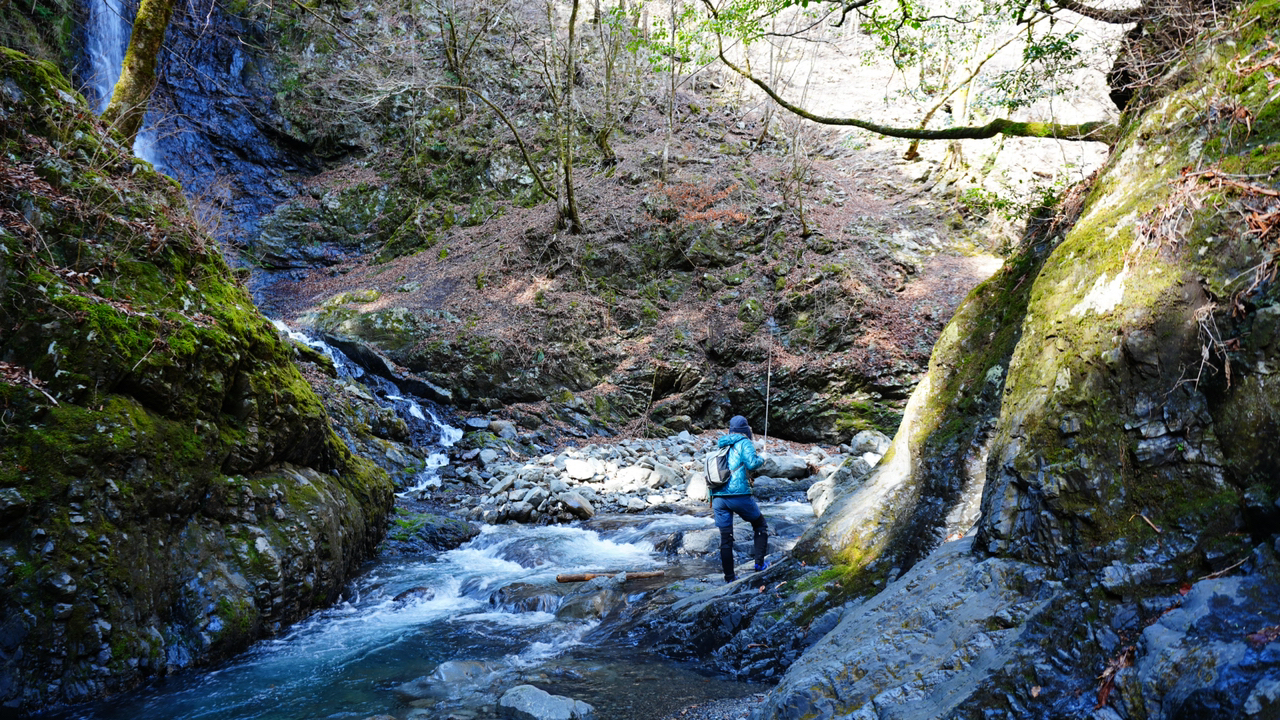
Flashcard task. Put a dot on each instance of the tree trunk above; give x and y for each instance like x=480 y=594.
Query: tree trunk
x=129 y=100
x=569 y=217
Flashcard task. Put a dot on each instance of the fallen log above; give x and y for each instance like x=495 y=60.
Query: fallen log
x=583 y=577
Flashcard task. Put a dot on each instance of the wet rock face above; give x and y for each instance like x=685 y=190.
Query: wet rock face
x=218 y=128
x=170 y=485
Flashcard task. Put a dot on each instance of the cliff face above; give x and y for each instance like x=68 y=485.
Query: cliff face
x=170 y=486
x=1101 y=419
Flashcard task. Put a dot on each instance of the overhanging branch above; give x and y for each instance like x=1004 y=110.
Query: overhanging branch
x=1103 y=131
x=1115 y=17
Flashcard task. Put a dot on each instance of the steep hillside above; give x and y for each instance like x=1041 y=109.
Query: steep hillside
x=170 y=486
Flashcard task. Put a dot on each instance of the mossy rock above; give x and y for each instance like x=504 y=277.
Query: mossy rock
x=157 y=436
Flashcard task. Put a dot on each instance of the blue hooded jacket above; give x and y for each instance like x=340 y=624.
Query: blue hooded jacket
x=742 y=459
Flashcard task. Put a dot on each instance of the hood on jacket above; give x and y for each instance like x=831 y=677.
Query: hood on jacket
x=731 y=438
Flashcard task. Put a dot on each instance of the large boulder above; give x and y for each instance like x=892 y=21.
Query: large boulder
x=580 y=468
x=1110 y=479
x=869 y=441
x=630 y=479
x=579 y=506
x=526 y=702
x=450 y=679
x=427 y=532
x=792 y=467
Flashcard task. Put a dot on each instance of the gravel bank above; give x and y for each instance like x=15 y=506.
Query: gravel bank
x=727 y=709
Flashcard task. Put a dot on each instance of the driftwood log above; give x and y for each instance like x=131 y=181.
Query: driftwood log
x=583 y=577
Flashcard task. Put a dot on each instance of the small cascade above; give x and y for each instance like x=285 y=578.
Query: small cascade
x=106 y=39
x=426 y=429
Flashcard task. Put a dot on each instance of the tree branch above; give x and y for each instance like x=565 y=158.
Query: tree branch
x=1115 y=17
x=524 y=152
x=1098 y=131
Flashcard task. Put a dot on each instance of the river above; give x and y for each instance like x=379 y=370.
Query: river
x=465 y=625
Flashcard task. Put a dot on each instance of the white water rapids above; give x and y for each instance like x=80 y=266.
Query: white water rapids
x=346 y=662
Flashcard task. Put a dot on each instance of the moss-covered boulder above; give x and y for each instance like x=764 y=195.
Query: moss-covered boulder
x=170 y=486
x=330 y=226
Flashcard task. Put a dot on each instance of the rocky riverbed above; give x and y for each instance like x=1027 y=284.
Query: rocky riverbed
x=636 y=476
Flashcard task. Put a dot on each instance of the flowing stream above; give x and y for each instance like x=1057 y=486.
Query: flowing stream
x=462 y=626
x=490 y=610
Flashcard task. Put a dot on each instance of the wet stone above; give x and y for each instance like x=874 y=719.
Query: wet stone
x=11 y=502
x=526 y=702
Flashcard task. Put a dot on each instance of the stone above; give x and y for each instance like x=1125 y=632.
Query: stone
x=633 y=504
x=697 y=488
x=821 y=495
x=859 y=466
x=579 y=469
x=519 y=511
x=526 y=702
x=63 y=584
x=663 y=476
x=397 y=456
x=577 y=505
x=504 y=429
x=11 y=502
x=869 y=441
x=1265 y=696
x=700 y=542
x=487 y=457
x=536 y=495
x=628 y=479
x=766 y=487
x=1118 y=577
x=784 y=466
x=447 y=680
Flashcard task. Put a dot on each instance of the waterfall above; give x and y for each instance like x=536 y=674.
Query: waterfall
x=106 y=38
x=107 y=35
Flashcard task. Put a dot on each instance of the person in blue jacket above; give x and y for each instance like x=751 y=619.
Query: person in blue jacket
x=736 y=497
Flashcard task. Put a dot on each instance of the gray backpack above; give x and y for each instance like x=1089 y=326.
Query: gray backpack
x=717 y=467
